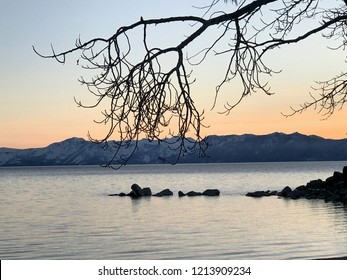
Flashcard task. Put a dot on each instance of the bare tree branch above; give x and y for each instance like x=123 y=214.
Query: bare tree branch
x=147 y=95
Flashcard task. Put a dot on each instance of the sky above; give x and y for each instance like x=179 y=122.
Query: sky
x=37 y=95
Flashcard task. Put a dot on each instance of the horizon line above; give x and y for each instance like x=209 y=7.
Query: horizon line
x=211 y=135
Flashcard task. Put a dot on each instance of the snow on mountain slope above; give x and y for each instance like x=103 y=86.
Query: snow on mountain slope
x=229 y=148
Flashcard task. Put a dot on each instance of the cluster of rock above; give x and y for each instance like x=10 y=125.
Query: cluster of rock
x=208 y=192
x=332 y=189
x=137 y=192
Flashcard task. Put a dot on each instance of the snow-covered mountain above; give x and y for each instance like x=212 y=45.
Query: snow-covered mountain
x=231 y=148
x=276 y=147
x=73 y=151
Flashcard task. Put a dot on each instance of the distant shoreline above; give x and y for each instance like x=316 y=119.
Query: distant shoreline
x=275 y=147
x=168 y=164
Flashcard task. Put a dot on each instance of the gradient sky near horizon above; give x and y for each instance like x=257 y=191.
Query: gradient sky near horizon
x=37 y=106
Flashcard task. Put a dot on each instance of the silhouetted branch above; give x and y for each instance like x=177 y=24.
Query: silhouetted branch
x=148 y=90
x=332 y=96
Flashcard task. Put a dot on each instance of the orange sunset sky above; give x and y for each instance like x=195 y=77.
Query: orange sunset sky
x=37 y=106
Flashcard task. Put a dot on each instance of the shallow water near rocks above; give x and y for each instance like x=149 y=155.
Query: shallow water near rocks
x=66 y=213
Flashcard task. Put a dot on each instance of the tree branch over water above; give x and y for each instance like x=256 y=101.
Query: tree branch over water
x=147 y=89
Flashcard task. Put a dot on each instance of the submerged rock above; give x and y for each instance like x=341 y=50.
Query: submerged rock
x=118 y=194
x=261 y=193
x=208 y=192
x=193 y=193
x=166 y=192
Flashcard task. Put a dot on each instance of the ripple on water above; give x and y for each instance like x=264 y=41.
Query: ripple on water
x=64 y=214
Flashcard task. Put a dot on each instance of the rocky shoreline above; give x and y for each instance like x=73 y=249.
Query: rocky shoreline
x=332 y=189
x=138 y=192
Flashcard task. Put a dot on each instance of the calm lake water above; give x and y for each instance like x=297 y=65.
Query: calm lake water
x=66 y=213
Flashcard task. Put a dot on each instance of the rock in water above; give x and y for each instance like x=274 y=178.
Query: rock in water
x=166 y=192
x=332 y=189
x=180 y=194
x=338 y=176
x=147 y=191
x=286 y=192
x=132 y=194
x=344 y=172
x=136 y=191
x=211 y=192
x=315 y=184
x=193 y=193
x=261 y=193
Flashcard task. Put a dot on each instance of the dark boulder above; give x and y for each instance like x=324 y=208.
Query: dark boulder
x=211 y=192
x=208 y=192
x=166 y=192
x=147 y=192
x=340 y=185
x=273 y=193
x=132 y=194
x=256 y=194
x=262 y=193
x=118 y=194
x=333 y=189
x=193 y=193
x=136 y=191
x=315 y=184
x=344 y=173
x=330 y=181
x=180 y=194
x=299 y=192
x=330 y=197
x=286 y=192
x=342 y=191
x=311 y=196
x=338 y=176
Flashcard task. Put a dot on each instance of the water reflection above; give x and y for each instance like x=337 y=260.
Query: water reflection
x=65 y=213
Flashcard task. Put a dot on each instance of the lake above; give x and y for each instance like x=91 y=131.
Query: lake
x=66 y=213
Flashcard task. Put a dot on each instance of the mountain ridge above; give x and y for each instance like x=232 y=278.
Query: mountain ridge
x=274 y=147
